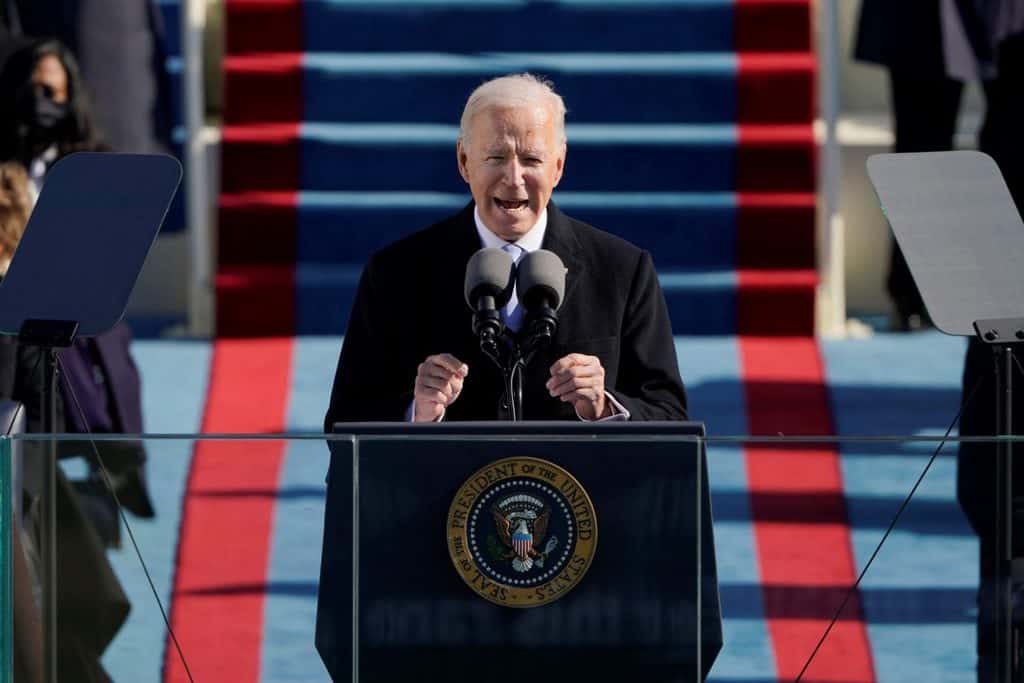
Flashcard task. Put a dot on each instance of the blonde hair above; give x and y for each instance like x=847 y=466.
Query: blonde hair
x=514 y=90
x=15 y=207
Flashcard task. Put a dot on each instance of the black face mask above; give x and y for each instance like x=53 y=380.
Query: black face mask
x=47 y=114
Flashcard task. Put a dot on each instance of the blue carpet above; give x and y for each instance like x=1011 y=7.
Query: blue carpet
x=431 y=87
x=919 y=594
x=174 y=381
x=918 y=597
x=289 y=614
x=711 y=370
x=694 y=234
x=689 y=99
x=364 y=157
x=691 y=230
x=664 y=26
x=703 y=302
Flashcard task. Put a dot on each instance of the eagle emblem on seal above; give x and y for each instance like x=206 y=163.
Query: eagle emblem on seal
x=522 y=524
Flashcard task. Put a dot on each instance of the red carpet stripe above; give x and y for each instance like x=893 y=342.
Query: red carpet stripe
x=775 y=302
x=255 y=300
x=776 y=158
x=260 y=157
x=776 y=87
x=800 y=546
x=263 y=87
x=246 y=29
x=224 y=544
x=769 y=25
x=776 y=229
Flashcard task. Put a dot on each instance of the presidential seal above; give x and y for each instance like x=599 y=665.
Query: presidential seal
x=522 y=532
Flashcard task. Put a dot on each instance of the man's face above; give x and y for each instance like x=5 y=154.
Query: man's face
x=512 y=161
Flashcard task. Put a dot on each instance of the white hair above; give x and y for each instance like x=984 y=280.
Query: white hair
x=514 y=90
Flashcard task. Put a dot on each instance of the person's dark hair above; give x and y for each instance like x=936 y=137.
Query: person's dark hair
x=18 y=139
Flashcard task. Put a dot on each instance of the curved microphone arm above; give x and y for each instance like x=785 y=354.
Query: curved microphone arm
x=539 y=331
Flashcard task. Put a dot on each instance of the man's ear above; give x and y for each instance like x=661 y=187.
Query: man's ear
x=560 y=165
x=463 y=158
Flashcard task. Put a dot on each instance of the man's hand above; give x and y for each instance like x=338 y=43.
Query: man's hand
x=438 y=383
x=579 y=379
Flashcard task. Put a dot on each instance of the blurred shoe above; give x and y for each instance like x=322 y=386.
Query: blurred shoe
x=910 y=322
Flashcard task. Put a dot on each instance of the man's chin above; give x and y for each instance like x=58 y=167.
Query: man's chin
x=508 y=226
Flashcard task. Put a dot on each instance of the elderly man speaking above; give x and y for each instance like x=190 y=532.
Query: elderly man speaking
x=410 y=352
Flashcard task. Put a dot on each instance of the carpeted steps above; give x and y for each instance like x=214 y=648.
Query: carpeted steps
x=597 y=87
x=689 y=133
x=613 y=158
x=708 y=25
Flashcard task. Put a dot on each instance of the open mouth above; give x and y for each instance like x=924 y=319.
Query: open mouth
x=511 y=204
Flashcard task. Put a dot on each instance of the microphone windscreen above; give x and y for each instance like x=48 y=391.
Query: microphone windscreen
x=489 y=273
x=541 y=278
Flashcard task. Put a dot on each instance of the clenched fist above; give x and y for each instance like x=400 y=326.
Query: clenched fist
x=579 y=379
x=438 y=383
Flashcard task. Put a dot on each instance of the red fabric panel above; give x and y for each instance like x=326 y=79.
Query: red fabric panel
x=255 y=301
x=247 y=22
x=263 y=88
x=224 y=544
x=260 y=157
x=776 y=231
x=776 y=158
x=776 y=87
x=257 y=228
x=773 y=25
x=800 y=521
x=776 y=302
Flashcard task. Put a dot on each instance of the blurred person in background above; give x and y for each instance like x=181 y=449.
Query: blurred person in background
x=44 y=116
x=15 y=206
x=121 y=48
x=905 y=36
x=44 y=110
x=930 y=48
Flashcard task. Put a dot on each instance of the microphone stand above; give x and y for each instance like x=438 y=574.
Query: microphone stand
x=504 y=351
x=541 y=276
x=512 y=355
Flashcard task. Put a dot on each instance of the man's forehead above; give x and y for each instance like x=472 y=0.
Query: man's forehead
x=507 y=141
x=503 y=114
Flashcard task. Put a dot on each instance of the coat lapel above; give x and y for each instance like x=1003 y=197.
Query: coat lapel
x=447 y=264
x=561 y=239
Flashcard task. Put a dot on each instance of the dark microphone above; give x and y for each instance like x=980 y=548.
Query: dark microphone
x=541 y=286
x=489 y=279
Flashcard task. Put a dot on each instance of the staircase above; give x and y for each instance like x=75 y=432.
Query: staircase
x=689 y=126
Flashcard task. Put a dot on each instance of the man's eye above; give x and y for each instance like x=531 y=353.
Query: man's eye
x=495 y=158
x=533 y=161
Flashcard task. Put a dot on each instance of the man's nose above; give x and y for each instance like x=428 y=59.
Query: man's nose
x=514 y=172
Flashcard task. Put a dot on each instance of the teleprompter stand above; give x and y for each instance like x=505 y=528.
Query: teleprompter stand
x=90 y=231
x=963 y=239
